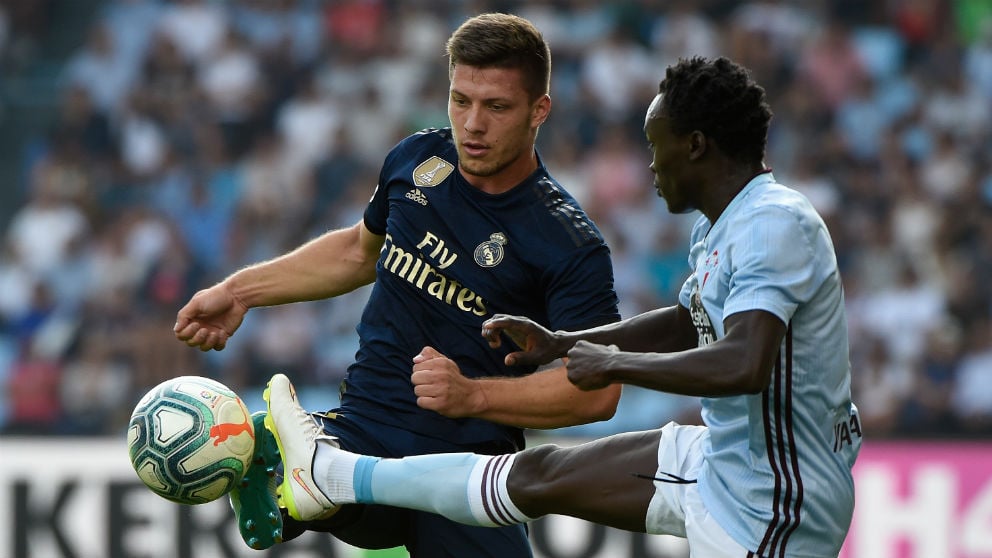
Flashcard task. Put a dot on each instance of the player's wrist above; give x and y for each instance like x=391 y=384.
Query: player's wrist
x=562 y=341
x=478 y=397
x=242 y=289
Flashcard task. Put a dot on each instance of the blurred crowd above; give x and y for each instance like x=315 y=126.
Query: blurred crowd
x=196 y=136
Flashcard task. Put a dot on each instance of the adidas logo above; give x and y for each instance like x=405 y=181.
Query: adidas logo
x=417 y=196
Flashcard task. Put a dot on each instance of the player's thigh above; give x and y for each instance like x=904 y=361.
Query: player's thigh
x=678 y=461
x=361 y=525
x=437 y=537
x=608 y=480
x=706 y=538
x=357 y=435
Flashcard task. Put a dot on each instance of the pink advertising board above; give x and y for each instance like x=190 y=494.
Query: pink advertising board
x=922 y=500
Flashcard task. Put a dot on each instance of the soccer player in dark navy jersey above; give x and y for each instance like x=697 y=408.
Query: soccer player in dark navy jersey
x=453 y=255
x=465 y=223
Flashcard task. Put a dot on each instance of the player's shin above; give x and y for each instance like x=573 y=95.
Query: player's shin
x=464 y=487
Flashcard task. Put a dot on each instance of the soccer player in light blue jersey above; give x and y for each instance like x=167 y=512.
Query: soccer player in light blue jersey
x=759 y=333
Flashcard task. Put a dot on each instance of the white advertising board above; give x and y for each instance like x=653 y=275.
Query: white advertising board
x=80 y=498
x=74 y=498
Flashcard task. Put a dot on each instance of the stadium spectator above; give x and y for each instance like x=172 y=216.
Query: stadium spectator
x=160 y=116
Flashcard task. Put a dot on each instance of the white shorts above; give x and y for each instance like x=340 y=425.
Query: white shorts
x=676 y=509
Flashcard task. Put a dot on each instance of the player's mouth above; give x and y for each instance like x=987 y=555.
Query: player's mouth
x=474 y=149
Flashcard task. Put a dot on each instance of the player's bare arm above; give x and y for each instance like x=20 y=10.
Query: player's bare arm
x=334 y=263
x=542 y=400
x=741 y=362
x=662 y=330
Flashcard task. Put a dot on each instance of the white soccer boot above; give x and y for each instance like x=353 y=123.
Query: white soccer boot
x=296 y=433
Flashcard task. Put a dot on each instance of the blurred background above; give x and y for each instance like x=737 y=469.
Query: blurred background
x=150 y=147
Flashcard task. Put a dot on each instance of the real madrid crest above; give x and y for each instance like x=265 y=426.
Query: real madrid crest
x=431 y=172
x=490 y=252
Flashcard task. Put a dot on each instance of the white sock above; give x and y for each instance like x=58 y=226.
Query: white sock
x=334 y=472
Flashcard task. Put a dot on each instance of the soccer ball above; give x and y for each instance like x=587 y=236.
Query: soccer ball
x=190 y=439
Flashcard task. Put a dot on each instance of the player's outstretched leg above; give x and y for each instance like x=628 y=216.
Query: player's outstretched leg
x=319 y=476
x=296 y=434
x=254 y=501
x=610 y=480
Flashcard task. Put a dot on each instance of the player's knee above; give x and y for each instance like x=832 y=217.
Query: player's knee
x=535 y=478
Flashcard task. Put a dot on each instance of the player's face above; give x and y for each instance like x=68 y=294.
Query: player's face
x=669 y=159
x=495 y=125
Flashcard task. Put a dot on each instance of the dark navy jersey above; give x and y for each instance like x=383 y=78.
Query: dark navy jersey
x=453 y=256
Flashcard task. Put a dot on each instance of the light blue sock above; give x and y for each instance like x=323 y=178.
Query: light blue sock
x=463 y=487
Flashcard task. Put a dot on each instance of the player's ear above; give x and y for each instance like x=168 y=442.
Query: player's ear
x=697 y=144
x=540 y=111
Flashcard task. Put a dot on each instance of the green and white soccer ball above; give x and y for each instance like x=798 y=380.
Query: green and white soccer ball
x=190 y=439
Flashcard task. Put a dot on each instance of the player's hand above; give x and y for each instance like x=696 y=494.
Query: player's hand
x=440 y=386
x=589 y=365
x=540 y=346
x=210 y=318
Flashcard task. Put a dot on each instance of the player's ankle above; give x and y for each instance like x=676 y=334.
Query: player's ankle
x=334 y=472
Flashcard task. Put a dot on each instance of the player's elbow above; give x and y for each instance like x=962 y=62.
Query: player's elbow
x=599 y=414
x=753 y=381
x=603 y=406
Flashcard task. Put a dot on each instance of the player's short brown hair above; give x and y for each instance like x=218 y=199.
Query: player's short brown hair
x=496 y=40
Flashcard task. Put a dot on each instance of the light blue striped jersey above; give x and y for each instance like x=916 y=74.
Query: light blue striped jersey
x=777 y=470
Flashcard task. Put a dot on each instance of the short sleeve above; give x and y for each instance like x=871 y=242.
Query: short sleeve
x=580 y=290
x=377 y=211
x=779 y=262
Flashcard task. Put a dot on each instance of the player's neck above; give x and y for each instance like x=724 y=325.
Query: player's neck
x=727 y=187
x=506 y=178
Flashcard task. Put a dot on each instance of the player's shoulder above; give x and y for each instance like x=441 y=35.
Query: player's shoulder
x=426 y=143
x=560 y=212
x=774 y=200
x=776 y=193
x=786 y=215
x=426 y=139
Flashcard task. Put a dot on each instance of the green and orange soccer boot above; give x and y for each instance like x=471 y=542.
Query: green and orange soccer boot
x=254 y=501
